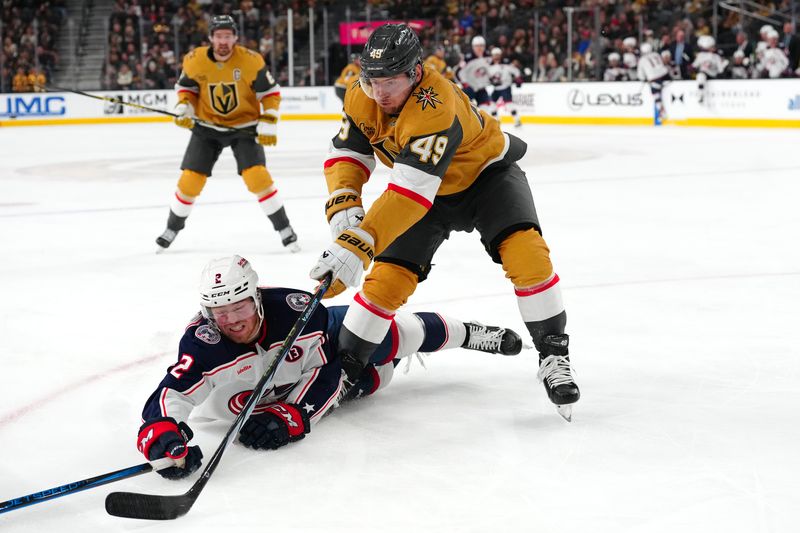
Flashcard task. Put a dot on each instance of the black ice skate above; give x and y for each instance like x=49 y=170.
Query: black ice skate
x=556 y=375
x=289 y=239
x=491 y=339
x=174 y=225
x=352 y=371
x=165 y=239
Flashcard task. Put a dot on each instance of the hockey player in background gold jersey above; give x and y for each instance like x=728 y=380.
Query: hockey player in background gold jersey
x=349 y=74
x=229 y=86
x=452 y=169
x=436 y=62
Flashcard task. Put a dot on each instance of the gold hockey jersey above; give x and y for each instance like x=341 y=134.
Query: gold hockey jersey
x=349 y=74
x=228 y=93
x=439 y=65
x=437 y=145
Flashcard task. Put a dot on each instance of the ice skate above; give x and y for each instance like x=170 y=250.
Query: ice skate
x=491 y=339
x=165 y=239
x=556 y=375
x=289 y=239
x=174 y=225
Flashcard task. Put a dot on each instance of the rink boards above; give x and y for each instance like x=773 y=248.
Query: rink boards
x=728 y=103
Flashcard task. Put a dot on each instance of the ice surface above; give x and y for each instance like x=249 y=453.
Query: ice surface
x=680 y=264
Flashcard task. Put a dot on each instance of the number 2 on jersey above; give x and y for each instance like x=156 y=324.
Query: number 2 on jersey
x=183 y=366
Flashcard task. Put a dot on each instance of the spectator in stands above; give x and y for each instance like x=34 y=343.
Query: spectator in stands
x=37 y=81
x=554 y=72
x=20 y=84
x=743 y=44
x=682 y=53
x=791 y=45
x=124 y=77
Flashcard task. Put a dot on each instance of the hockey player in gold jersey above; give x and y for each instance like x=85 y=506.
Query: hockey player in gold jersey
x=437 y=62
x=349 y=74
x=227 y=85
x=453 y=169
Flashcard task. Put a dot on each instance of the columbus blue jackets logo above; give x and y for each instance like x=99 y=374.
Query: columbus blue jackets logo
x=298 y=300
x=224 y=97
x=427 y=97
x=237 y=401
x=207 y=334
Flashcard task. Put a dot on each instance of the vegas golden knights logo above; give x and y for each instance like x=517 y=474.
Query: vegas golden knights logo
x=224 y=97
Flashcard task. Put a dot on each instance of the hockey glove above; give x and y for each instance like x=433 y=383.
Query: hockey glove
x=279 y=425
x=346 y=258
x=163 y=437
x=344 y=211
x=185 y=118
x=267 y=129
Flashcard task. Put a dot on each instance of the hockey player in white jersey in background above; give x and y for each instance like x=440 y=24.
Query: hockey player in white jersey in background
x=503 y=74
x=473 y=74
x=772 y=62
x=673 y=69
x=739 y=70
x=228 y=345
x=651 y=69
x=708 y=65
x=614 y=72
x=629 y=58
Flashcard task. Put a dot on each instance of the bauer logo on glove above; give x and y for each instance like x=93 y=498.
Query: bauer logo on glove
x=363 y=246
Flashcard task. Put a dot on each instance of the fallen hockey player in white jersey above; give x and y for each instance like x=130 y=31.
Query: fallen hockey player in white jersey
x=233 y=339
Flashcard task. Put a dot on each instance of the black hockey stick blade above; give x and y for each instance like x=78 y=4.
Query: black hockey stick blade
x=156 y=507
x=149 y=506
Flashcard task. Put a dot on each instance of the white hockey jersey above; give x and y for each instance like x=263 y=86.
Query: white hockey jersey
x=218 y=375
x=773 y=62
x=503 y=74
x=615 y=74
x=475 y=72
x=710 y=64
x=651 y=67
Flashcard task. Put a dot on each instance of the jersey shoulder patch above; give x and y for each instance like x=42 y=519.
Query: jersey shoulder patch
x=430 y=108
x=208 y=334
x=298 y=300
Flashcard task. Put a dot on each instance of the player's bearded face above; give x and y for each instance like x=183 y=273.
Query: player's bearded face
x=238 y=321
x=391 y=93
x=222 y=42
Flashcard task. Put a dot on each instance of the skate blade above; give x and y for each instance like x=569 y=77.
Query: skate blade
x=160 y=249
x=565 y=411
x=293 y=247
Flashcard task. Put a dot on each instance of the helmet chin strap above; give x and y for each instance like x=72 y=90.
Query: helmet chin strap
x=260 y=312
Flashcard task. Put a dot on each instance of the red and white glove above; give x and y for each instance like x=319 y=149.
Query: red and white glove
x=344 y=211
x=164 y=437
x=346 y=258
x=279 y=425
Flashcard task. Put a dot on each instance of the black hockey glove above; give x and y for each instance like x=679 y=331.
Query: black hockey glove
x=164 y=437
x=279 y=425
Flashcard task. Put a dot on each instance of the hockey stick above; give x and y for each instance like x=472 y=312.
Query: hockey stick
x=155 y=507
x=84 y=484
x=248 y=130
